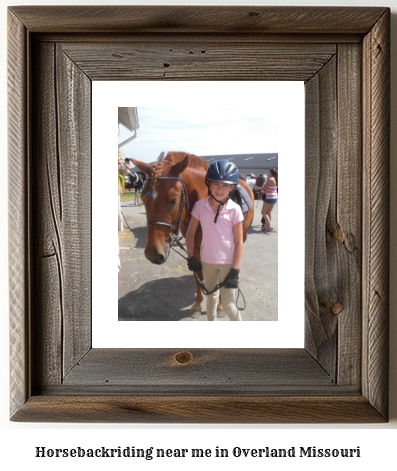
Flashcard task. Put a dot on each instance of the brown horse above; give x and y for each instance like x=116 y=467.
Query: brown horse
x=173 y=186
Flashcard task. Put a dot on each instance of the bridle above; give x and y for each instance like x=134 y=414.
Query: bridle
x=184 y=201
x=175 y=239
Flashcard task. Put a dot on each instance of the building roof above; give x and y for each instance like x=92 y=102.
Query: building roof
x=249 y=163
x=128 y=117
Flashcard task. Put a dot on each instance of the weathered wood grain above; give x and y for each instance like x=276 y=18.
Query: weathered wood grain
x=341 y=375
x=199 y=409
x=73 y=89
x=224 y=59
x=376 y=142
x=346 y=229
x=19 y=217
x=206 y=368
x=199 y=19
x=320 y=174
x=333 y=215
x=62 y=208
x=48 y=279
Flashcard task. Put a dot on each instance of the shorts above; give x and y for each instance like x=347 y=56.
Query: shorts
x=270 y=200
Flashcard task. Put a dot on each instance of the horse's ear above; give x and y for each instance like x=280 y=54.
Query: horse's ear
x=179 y=167
x=143 y=167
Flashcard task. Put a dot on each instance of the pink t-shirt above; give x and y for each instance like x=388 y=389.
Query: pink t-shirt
x=217 y=244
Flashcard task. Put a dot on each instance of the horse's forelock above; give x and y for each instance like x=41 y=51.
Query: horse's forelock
x=158 y=170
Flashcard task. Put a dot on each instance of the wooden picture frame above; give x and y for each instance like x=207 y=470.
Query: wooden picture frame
x=342 y=54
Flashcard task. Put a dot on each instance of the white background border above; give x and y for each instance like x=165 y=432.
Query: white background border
x=284 y=102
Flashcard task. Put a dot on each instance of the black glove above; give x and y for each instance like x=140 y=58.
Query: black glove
x=193 y=264
x=231 y=280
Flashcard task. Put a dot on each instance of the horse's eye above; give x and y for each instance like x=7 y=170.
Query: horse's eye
x=173 y=201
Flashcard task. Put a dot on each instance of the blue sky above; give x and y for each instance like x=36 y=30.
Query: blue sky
x=201 y=130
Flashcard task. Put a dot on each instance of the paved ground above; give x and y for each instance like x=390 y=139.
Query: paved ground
x=166 y=292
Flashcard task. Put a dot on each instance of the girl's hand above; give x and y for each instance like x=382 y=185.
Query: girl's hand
x=231 y=280
x=193 y=264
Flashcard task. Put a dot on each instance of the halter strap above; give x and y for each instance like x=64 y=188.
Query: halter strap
x=184 y=200
x=221 y=203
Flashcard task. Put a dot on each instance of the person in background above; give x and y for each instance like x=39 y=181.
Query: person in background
x=270 y=192
x=135 y=179
x=127 y=165
x=221 y=221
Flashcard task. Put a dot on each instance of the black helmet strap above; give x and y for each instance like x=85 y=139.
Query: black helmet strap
x=219 y=208
x=221 y=203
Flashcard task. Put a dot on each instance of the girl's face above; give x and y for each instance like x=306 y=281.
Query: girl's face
x=220 y=190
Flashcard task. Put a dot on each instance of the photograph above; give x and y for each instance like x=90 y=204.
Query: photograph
x=187 y=213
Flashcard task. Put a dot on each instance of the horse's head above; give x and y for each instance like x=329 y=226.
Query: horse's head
x=162 y=196
x=260 y=181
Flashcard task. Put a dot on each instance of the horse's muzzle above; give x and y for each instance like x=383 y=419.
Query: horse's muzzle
x=158 y=258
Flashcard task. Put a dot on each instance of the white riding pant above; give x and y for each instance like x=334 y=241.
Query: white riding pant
x=212 y=275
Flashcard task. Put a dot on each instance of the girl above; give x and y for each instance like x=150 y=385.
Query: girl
x=221 y=248
x=270 y=189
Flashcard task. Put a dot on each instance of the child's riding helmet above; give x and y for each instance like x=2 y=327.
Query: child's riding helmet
x=222 y=171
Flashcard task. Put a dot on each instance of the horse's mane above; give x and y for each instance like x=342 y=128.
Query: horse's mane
x=173 y=158
x=194 y=160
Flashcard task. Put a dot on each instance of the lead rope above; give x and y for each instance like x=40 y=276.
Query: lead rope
x=177 y=240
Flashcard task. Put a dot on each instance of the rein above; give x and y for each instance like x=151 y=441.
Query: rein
x=177 y=240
